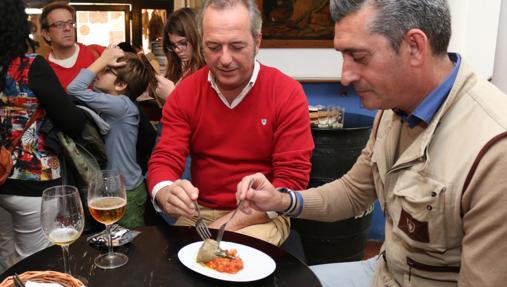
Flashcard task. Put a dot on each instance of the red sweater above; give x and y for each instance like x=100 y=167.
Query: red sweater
x=268 y=132
x=87 y=55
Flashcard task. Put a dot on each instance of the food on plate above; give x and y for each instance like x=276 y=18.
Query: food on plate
x=208 y=251
x=231 y=264
x=226 y=261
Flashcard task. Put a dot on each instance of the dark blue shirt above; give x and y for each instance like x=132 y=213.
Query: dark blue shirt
x=427 y=109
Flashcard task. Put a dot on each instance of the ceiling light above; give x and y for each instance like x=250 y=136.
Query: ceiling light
x=33 y=11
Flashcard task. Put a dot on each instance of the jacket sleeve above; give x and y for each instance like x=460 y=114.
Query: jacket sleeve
x=484 y=212
x=293 y=144
x=53 y=99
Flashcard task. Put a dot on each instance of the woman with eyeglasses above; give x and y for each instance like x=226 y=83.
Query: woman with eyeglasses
x=30 y=97
x=182 y=45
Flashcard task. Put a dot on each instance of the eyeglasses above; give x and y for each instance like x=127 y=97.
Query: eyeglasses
x=181 y=45
x=110 y=70
x=62 y=24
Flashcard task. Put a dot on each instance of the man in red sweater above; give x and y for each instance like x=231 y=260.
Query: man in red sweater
x=58 y=28
x=235 y=116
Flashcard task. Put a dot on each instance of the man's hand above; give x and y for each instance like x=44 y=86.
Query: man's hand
x=176 y=199
x=258 y=193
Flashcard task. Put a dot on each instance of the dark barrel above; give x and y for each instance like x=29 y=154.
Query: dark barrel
x=336 y=150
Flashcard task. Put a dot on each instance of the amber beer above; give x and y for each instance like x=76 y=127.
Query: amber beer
x=107 y=210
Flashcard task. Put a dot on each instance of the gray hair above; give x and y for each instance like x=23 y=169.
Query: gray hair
x=251 y=5
x=394 y=18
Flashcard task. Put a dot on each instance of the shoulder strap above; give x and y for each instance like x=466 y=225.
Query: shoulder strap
x=35 y=116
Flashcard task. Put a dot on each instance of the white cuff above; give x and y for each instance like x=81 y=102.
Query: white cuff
x=155 y=190
x=272 y=214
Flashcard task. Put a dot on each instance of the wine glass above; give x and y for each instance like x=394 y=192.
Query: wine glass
x=107 y=202
x=62 y=218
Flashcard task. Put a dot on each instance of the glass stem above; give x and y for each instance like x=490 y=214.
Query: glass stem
x=110 y=240
x=66 y=267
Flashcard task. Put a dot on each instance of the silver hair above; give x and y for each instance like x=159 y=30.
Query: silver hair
x=251 y=5
x=394 y=18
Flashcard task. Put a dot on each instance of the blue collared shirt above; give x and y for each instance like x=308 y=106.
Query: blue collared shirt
x=427 y=109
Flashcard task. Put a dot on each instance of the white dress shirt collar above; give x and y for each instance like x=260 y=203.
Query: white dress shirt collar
x=243 y=93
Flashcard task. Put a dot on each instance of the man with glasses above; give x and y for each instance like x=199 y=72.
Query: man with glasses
x=67 y=58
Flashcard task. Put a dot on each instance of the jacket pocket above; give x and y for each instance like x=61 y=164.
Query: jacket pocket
x=415 y=281
x=421 y=274
x=418 y=210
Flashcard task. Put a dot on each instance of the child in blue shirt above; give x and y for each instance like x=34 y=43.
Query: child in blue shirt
x=118 y=78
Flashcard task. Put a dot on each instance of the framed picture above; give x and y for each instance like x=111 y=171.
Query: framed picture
x=296 y=24
x=101 y=24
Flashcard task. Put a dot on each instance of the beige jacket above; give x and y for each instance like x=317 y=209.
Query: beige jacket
x=440 y=231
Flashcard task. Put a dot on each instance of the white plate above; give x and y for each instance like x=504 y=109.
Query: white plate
x=256 y=264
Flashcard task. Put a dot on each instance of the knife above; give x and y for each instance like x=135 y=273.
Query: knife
x=17 y=281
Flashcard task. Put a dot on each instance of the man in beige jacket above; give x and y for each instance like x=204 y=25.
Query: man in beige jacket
x=436 y=159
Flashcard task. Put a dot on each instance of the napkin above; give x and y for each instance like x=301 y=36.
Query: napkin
x=120 y=236
x=37 y=284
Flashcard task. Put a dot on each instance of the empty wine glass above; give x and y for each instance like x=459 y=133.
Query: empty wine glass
x=107 y=202
x=62 y=218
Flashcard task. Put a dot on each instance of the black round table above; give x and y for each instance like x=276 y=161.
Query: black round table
x=153 y=261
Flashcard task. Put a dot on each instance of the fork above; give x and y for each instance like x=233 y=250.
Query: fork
x=17 y=281
x=222 y=227
x=200 y=225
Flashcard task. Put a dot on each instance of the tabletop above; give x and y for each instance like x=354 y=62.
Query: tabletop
x=153 y=261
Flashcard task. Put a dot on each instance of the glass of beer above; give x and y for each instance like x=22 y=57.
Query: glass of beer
x=107 y=202
x=62 y=218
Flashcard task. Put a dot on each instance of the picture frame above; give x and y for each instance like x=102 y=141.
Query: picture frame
x=296 y=24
